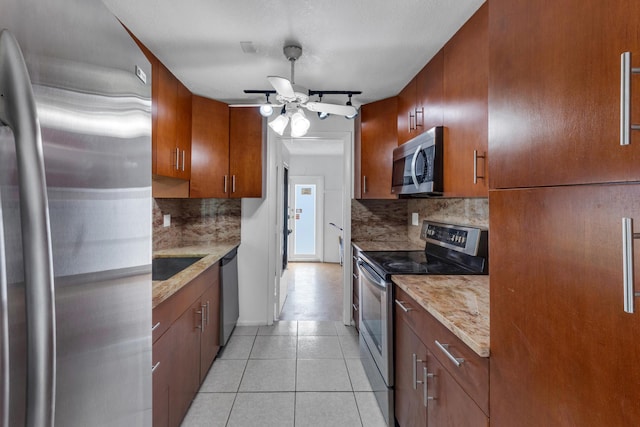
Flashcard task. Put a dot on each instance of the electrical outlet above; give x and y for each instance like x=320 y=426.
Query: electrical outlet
x=415 y=219
x=166 y=220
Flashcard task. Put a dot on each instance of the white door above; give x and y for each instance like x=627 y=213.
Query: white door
x=307 y=242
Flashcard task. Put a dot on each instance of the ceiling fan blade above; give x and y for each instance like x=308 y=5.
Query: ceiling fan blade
x=323 y=107
x=282 y=86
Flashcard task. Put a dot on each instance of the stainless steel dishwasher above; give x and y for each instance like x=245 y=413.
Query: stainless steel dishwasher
x=229 y=302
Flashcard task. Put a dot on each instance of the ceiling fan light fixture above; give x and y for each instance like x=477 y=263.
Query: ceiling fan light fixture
x=279 y=124
x=299 y=124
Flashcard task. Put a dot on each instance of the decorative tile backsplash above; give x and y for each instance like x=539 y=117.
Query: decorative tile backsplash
x=379 y=220
x=195 y=221
x=460 y=211
x=390 y=220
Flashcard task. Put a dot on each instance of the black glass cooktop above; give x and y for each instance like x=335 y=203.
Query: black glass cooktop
x=387 y=263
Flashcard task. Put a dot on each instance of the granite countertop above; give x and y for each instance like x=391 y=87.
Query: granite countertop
x=460 y=303
x=211 y=253
x=402 y=245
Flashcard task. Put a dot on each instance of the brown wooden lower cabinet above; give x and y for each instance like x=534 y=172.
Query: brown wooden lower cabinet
x=426 y=392
x=187 y=348
x=563 y=350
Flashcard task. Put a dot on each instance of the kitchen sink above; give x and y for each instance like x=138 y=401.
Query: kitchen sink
x=164 y=268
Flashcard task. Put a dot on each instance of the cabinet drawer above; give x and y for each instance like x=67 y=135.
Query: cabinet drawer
x=472 y=373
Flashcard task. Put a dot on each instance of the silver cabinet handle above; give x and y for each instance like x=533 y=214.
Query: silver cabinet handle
x=402 y=306
x=183 y=157
x=476 y=156
x=420 y=111
x=18 y=111
x=355 y=307
x=625 y=98
x=627 y=264
x=445 y=349
x=233 y=183
x=415 y=361
x=425 y=387
x=154 y=367
x=177 y=158
x=201 y=314
x=226 y=178
x=207 y=313
x=410 y=117
x=364 y=184
x=154 y=327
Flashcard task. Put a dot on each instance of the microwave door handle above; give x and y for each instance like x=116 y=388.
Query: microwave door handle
x=18 y=111
x=413 y=166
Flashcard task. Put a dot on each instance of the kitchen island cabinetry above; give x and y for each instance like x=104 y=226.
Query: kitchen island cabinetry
x=430 y=387
x=186 y=348
x=466 y=79
x=378 y=138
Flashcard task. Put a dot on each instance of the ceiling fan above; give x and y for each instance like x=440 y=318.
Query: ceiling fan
x=291 y=97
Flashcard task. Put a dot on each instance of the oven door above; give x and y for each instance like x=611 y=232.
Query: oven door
x=376 y=321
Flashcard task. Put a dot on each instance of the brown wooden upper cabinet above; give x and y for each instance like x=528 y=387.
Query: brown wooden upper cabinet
x=209 y=149
x=420 y=102
x=374 y=150
x=555 y=92
x=227 y=151
x=171 y=128
x=246 y=153
x=465 y=115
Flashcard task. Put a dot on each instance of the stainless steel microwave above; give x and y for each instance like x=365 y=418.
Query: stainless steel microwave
x=417 y=165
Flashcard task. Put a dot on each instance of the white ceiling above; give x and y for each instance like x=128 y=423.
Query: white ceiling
x=375 y=46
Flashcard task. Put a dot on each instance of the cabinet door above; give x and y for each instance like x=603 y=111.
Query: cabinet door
x=166 y=103
x=210 y=342
x=209 y=149
x=554 y=92
x=406 y=116
x=563 y=351
x=245 y=152
x=162 y=363
x=185 y=378
x=410 y=360
x=429 y=92
x=379 y=138
x=183 y=131
x=448 y=404
x=466 y=77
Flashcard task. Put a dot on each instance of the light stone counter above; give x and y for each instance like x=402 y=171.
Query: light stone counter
x=212 y=253
x=403 y=245
x=460 y=303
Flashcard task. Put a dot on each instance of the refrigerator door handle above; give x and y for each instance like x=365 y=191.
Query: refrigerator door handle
x=18 y=111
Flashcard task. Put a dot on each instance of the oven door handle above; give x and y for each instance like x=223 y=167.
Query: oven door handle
x=371 y=276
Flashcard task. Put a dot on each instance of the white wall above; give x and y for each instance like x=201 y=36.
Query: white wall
x=331 y=168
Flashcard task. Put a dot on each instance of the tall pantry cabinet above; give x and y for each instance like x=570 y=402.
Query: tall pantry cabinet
x=564 y=351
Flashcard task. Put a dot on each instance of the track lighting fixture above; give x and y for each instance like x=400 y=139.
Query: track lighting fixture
x=266 y=110
x=353 y=116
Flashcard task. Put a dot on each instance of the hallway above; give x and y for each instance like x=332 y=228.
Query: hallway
x=304 y=371
x=314 y=292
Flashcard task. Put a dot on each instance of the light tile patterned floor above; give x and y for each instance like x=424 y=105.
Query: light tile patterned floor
x=294 y=373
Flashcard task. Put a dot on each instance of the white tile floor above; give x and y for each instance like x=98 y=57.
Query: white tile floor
x=294 y=373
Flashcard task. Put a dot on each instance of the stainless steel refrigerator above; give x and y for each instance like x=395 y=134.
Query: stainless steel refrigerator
x=75 y=226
